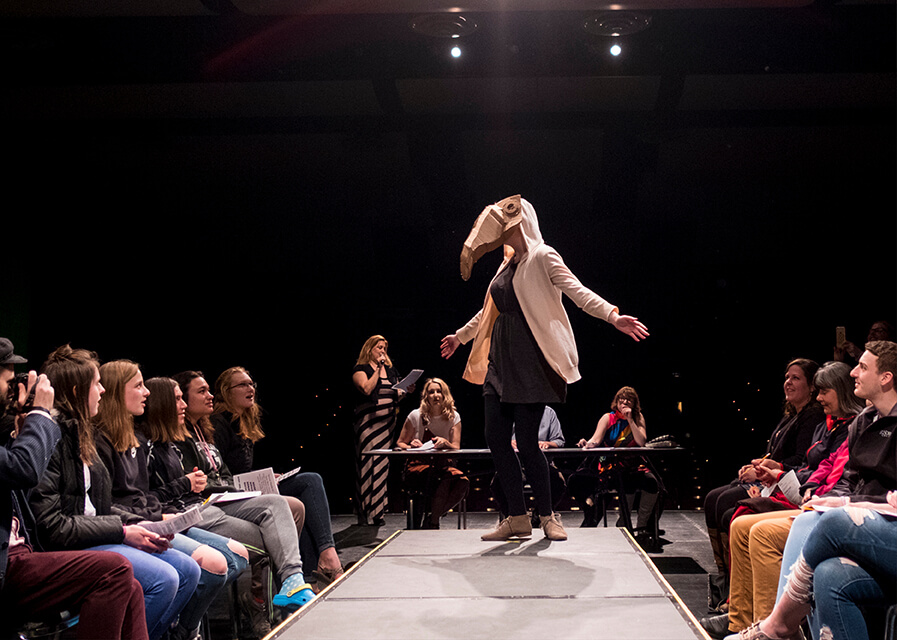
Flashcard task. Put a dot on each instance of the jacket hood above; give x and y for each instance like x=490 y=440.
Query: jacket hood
x=494 y=226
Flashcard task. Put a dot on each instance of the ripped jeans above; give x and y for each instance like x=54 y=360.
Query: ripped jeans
x=853 y=554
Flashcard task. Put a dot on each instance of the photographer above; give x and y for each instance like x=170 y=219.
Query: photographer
x=35 y=585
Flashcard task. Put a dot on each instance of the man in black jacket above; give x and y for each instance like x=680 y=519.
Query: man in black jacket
x=97 y=585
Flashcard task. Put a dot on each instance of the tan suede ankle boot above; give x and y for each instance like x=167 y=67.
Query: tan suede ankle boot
x=510 y=527
x=552 y=527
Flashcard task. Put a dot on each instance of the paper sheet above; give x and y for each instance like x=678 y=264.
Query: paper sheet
x=181 y=522
x=408 y=380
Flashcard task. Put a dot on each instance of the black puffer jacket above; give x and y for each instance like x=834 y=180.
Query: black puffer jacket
x=58 y=500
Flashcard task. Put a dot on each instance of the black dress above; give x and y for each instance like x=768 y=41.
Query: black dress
x=518 y=372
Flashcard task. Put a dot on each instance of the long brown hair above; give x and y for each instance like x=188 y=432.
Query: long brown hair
x=159 y=421
x=114 y=419
x=71 y=372
x=250 y=419
x=628 y=393
x=184 y=378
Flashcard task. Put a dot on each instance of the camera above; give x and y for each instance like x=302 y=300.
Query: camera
x=12 y=396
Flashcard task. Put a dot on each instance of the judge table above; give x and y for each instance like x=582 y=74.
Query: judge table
x=646 y=455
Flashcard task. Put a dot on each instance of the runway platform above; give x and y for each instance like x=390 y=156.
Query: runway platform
x=598 y=585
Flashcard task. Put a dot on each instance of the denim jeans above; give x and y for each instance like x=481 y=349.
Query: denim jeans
x=316 y=534
x=801 y=528
x=210 y=584
x=854 y=556
x=168 y=580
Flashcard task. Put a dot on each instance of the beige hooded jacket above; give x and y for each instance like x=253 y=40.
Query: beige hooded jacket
x=539 y=281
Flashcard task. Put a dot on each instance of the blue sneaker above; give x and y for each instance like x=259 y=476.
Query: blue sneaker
x=294 y=593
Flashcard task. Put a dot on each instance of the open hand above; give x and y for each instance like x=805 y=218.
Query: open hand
x=448 y=345
x=631 y=327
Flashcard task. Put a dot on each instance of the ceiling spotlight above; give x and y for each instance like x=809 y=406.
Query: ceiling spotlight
x=442 y=25
x=616 y=50
x=456 y=52
x=616 y=23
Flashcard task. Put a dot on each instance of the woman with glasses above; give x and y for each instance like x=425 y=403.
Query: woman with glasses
x=237 y=422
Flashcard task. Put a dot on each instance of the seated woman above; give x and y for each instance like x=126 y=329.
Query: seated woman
x=756 y=540
x=238 y=426
x=280 y=528
x=159 y=429
x=787 y=445
x=220 y=559
x=624 y=426
x=435 y=421
x=73 y=507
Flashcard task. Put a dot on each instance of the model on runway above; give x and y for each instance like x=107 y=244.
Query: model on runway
x=523 y=351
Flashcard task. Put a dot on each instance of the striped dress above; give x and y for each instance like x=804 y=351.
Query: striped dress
x=375 y=428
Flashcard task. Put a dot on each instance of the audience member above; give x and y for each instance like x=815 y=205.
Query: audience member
x=623 y=426
x=850 y=353
x=238 y=426
x=757 y=537
x=869 y=475
x=220 y=559
x=787 y=445
x=551 y=436
x=159 y=429
x=280 y=527
x=73 y=505
x=37 y=584
x=436 y=421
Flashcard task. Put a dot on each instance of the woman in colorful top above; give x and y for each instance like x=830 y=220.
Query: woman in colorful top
x=624 y=426
x=435 y=421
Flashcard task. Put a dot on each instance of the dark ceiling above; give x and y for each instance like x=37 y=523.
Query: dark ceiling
x=330 y=61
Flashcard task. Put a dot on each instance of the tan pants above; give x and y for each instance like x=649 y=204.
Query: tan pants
x=756 y=543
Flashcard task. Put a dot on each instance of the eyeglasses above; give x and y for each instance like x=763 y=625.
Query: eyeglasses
x=244 y=384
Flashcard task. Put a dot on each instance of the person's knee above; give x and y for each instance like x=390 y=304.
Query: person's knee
x=210 y=559
x=238 y=548
x=314 y=480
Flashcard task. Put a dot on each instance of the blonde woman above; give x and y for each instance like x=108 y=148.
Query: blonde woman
x=375 y=426
x=435 y=421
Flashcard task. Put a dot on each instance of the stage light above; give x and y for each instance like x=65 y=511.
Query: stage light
x=456 y=52
x=616 y=50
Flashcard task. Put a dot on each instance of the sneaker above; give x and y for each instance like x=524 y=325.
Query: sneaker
x=510 y=527
x=716 y=626
x=294 y=593
x=553 y=528
x=257 y=613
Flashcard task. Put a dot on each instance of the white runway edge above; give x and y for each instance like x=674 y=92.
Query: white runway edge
x=449 y=584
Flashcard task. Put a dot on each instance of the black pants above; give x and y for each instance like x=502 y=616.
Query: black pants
x=523 y=420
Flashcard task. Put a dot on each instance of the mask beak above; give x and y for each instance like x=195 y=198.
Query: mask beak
x=493 y=226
